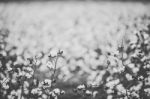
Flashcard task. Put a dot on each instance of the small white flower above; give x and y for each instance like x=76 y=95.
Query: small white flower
x=9 y=69
x=26 y=84
x=14 y=93
x=5 y=86
x=29 y=70
x=26 y=91
x=112 y=83
x=46 y=83
x=50 y=65
x=140 y=77
x=81 y=87
x=147 y=90
x=94 y=84
x=28 y=75
x=88 y=92
x=36 y=91
x=13 y=81
x=56 y=91
x=44 y=96
x=95 y=93
x=53 y=95
x=62 y=92
x=129 y=77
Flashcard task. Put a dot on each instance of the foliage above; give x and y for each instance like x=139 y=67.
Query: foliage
x=18 y=81
x=104 y=72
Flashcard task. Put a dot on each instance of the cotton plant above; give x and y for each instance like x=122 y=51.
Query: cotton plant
x=126 y=69
x=85 y=91
x=19 y=81
x=132 y=81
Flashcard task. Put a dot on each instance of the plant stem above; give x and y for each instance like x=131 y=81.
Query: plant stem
x=22 y=83
x=53 y=76
x=127 y=94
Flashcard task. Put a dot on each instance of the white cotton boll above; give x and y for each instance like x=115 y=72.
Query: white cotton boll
x=14 y=93
x=87 y=92
x=26 y=91
x=116 y=53
x=140 y=78
x=147 y=66
x=94 y=84
x=56 y=91
x=118 y=69
x=50 y=65
x=135 y=94
x=129 y=77
x=112 y=83
x=28 y=75
x=81 y=87
x=109 y=91
x=109 y=97
x=53 y=95
x=26 y=84
x=46 y=83
x=36 y=91
x=13 y=81
x=131 y=65
x=147 y=90
x=9 y=69
x=95 y=93
x=44 y=96
x=9 y=96
x=21 y=73
x=145 y=35
x=5 y=86
x=137 y=87
x=29 y=69
x=135 y=70
x=62 y=92
x=121 y=88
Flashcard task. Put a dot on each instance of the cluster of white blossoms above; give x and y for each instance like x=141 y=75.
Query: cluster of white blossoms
x=86 y=91
x=28 y=72
x=13 y=94
x=47 y=83
x=36 y=91
x=25 y=72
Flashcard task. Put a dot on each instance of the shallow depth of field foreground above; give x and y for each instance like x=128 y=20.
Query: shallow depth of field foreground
x=74 y=50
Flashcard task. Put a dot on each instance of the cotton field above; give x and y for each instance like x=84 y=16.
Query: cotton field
x=101 y=48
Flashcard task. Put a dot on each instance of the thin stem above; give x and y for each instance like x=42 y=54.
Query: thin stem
x=127 y=94
x=55 y=67
x=21 y=91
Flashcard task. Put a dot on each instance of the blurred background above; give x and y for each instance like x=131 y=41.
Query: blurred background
x=82 y=29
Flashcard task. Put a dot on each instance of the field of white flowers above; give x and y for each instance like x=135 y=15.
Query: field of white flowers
x=86 y=32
